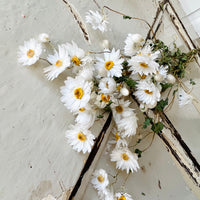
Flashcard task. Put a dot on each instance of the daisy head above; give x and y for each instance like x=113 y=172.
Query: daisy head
x=120 y=109
x=102 y=100
x=125 y=160
x=30 y=52
x=123 y=196
x=132 y=44
x=161 y=73
x=77 y=55
x=80 y=139
x=147 y=92
x=107 y=85
x=142 y=65
x=76 y=93
x=100 y=179
x=43 y=37
x=97 y=21
x=60 y=61
x=111 y=65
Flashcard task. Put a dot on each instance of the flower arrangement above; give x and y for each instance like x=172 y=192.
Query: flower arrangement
x=145 y=71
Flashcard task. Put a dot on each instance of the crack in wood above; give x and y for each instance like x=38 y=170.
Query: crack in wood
x=91 y=156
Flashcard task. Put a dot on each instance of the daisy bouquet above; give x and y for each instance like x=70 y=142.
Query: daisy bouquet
x=144 y=71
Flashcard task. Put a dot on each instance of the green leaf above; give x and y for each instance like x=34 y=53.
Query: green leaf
x=126 y=17
x=143 y=194
x=100 y=116
x=161 y=105
x=138 y=152
x=131 y=83
x=147 y=122
x=192 y=82
x=165 y=86
x=157 y=127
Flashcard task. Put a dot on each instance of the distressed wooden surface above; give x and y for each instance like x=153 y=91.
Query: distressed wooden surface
x=35 y=158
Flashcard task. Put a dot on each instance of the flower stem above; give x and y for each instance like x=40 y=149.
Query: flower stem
x=44 y=59
x=136 y=18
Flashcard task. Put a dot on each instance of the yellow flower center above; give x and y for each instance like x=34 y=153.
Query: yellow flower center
x=81 y=137
x=109 y=64
x=125 y=156
x=30 y=53
x=78 y=93
x=100 y=178
x=119 y=109
x=119 y=87
x=117 y=136
x=107 y=85
x=82 y=109
x=144 y=65
x=105 y=98
x=140 y=53
x=76 y=60
x=122 y=198
x=148 y=92
x=58 y=63
x=143 y=76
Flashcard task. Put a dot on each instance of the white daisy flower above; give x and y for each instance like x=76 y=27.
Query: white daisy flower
x=128 y=125
x=100 y=179
x=111 y=65
x=120 y=109
x=97 y=21
x=86 y=117
x=30 y=52
x=43 y=38
x=147 y=52
x=143 y=65
x=132 y=44
x=161 y=73
x=123 y=196
x=60 y=61
x=125 y=159
x=77 y=55
x=102 y=100
x=184 y=98
x=147 y=92
x=86 y=73
x=80 y=139
x=76 y=93
x=107 y=85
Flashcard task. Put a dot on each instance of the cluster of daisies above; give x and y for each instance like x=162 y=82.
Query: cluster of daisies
x=101 y=183
x=94 y=86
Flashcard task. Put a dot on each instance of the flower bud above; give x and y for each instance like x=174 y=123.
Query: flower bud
x=105 y=44
x=124 y=91
x=158 y=77
x=43 y=37
x=171 y=79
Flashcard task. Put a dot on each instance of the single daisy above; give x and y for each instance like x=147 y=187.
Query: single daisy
x=77 y=55
x=100 y=179
x=132 y=44
x=60 y=61
x=102 y=100
x=43 y=38
x=86 y=117
x=123 y=196
x=143 y=65
x=147 y=92
x=147 y=52
x=184 y=98
x=128 y=125
x=107 y=85
x=80 y=139
x=111 y=65
x=120 y=109
x=30 y=52
x=125 y=159
x=97 y=21
x=161 y=73
x=76 y=93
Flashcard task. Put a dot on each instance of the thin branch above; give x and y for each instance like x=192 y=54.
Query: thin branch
x=44 y=59
x=136 y=18
x=97 y=4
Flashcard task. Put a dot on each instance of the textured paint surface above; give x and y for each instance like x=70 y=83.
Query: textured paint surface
x=35 y=158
